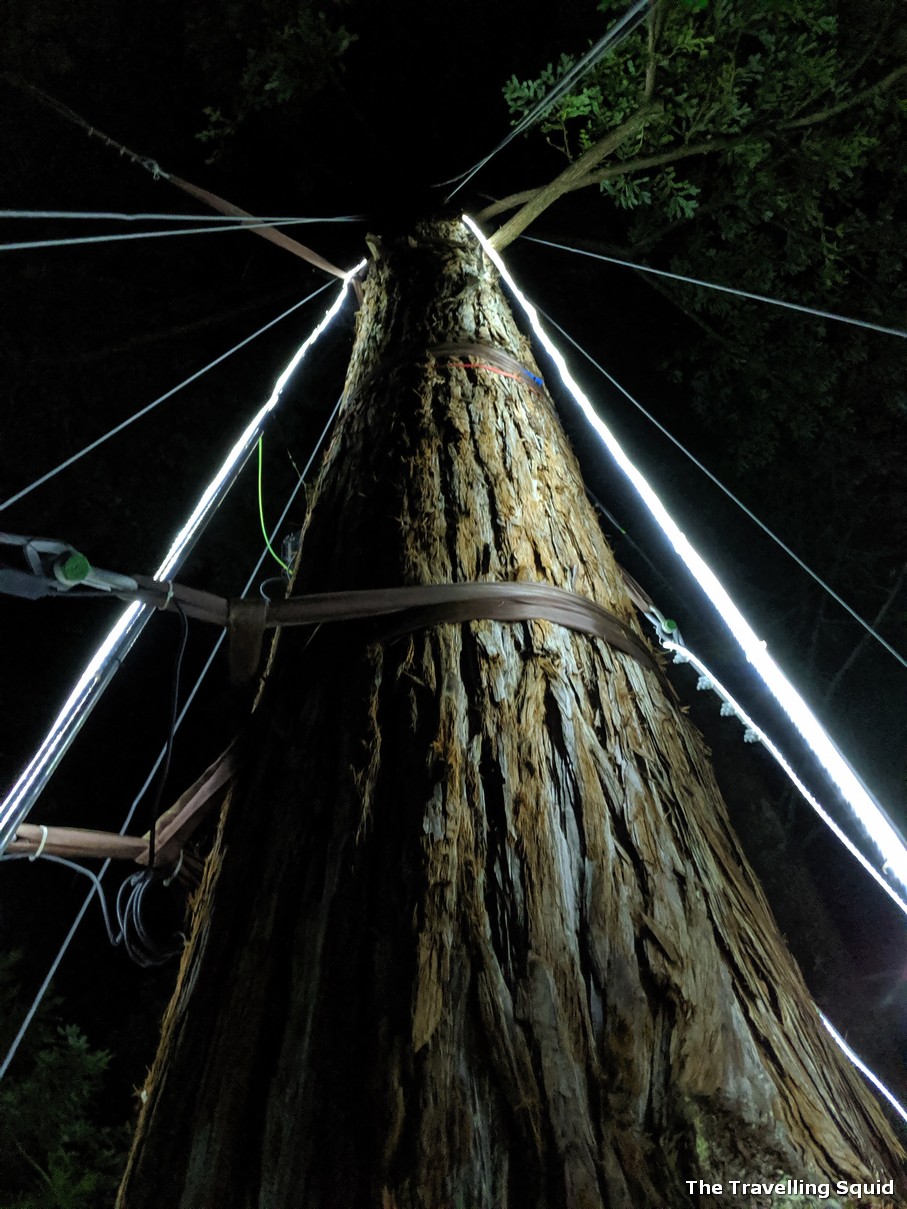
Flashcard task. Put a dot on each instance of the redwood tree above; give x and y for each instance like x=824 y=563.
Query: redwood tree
x=476 y=931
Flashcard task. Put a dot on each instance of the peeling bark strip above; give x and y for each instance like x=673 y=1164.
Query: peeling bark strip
x=476 y=933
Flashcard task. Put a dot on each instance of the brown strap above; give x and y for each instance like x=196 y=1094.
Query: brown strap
x=270 y=233
x=172 y=829
x=413 y=608
x=246 y=620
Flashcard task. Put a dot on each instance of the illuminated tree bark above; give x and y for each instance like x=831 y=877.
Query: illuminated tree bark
x=476 y=932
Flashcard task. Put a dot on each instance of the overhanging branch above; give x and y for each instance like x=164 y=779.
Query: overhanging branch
x=576 y=171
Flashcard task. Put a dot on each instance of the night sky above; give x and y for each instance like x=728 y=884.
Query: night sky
x=93 y=333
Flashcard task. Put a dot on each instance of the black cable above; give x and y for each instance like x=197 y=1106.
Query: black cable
x=140 y=946
x=165 y=767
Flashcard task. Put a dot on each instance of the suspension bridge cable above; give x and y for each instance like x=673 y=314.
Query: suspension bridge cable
x=13 y=499
x=609 y=41
x=119 y=216
x=723 y=289
x=67 y=940
x=103 y=665
x=243 y=225
x=863 y=806
x=870 y=629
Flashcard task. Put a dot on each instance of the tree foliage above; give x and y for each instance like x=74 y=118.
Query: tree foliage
x=262 y=56
x=55 y=1152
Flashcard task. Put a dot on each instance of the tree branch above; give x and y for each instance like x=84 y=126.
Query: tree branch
x=621 y=169
x=564 y=183
x=813 y=119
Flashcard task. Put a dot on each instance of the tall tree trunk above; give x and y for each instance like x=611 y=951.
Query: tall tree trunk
x=476 y=932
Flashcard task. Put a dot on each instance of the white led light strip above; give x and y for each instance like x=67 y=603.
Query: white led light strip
x=863 y=1068
x=873 y=821
x=685 y=654
x=119 y=640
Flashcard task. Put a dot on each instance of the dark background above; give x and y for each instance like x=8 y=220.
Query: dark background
x=93 y=333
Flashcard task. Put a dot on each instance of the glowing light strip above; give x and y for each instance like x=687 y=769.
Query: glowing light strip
x=106 y=660
x=863 y=1068
x=871 y=817
x=686 y=654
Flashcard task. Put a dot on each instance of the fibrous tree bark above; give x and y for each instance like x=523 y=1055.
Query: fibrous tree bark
x=476 y=932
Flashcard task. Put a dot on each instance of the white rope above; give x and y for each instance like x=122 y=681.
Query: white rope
x=37 y=852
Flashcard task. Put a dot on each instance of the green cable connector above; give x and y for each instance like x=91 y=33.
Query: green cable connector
x=75 y=568
x=669 y=625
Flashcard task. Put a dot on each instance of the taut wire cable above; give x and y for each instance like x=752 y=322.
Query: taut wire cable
x=723 y=289
x=13 y=499
x=238 y=225
x=609 y=41
x=151 y=216
x=870 y=629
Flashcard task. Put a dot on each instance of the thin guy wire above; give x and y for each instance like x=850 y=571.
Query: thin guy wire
x=241 y=225
x=42 y=990
x=119 y=216
x=762 y=525
x=724 y=289
x=13 y=499
x=616 y=33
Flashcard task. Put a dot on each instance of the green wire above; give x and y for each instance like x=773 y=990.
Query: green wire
x=261 y=511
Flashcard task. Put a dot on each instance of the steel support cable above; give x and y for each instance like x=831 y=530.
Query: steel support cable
x=730 y=495
x=103 y=665
x=67 y=940
x=616 y=34
x=723 y=289
x=151 y=216
x=238 y=225
x=143 y=411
